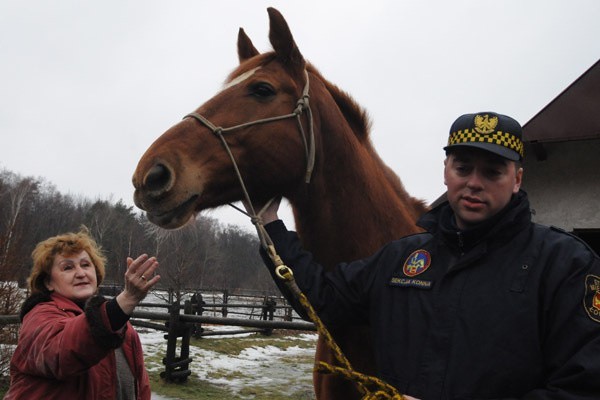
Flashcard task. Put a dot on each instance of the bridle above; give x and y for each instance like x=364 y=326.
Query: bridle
x=365 y=383
x=309 y=147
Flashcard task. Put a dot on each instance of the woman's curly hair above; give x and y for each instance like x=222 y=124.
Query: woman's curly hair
x=66 y=244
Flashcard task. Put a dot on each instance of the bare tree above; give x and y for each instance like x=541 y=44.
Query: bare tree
x=203 y=255
x=16 y=200
x=240 y=257
x=185 y=255
x=11 y=298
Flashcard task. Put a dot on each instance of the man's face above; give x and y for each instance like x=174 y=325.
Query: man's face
x=479 y=183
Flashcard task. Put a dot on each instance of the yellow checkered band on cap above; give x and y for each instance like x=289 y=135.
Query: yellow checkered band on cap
x=503 y=139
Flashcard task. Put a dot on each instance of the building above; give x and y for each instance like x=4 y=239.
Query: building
x=562 y=163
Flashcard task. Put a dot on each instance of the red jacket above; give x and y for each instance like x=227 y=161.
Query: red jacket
x=67 y=353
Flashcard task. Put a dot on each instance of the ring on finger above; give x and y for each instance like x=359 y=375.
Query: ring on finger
x=143 y=277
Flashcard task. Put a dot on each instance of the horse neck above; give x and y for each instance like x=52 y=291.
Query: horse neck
x=351 y=208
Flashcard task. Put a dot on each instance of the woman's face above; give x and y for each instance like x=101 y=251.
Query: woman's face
x=73 y=276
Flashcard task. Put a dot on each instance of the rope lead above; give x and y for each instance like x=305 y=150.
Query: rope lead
x=371 y=387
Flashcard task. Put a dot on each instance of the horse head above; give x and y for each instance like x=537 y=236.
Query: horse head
x=259 y=137
x=188 y=168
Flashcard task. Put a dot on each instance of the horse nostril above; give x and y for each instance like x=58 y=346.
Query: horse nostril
x=157 y=178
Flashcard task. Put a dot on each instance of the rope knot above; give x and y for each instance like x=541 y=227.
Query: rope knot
x=256 y=220
x=301 y=104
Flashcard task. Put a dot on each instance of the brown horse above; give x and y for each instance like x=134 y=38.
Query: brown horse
x=353 y=204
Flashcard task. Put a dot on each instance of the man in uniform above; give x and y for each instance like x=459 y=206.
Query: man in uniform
x=485 y=304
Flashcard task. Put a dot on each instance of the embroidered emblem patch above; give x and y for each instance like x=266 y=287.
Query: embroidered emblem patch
x=591 y=301
x=411 y=282
x=484 y=124
x=417 y=263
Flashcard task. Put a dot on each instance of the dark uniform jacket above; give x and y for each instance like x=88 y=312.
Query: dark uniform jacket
x=508 y=310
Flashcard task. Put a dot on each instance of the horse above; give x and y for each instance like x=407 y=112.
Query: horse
x=352 y=204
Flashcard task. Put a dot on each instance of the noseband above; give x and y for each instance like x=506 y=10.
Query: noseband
x=309 y=144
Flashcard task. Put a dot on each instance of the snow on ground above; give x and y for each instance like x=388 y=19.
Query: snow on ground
x=289 y=370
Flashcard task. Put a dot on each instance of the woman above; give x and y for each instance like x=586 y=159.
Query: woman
x=73 y=343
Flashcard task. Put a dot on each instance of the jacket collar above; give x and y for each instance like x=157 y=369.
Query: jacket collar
x=66 y=304
x=507 y=223
x=61 y=302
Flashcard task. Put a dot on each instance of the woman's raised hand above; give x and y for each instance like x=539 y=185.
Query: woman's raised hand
x=139 y=279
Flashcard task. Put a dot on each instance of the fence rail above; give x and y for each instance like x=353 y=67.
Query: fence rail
x=9 y=320
x=180 y=327
x=206 y=319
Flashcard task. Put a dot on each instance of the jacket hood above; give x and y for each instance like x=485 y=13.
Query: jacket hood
x=37 y=298
x=33 y=301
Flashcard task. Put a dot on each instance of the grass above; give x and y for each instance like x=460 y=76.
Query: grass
x=234 y=345
x=194 y=388
x=298 y=380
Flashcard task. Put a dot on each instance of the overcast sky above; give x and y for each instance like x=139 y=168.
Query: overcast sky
x=86 y=87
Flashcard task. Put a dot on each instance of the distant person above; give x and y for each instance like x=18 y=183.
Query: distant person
x=73 y=343
x=485 y=304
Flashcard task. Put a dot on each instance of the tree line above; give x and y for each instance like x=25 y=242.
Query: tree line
x=204 y=254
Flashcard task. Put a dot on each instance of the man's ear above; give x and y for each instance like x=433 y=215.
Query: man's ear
x=445 y=167
x=518 y=180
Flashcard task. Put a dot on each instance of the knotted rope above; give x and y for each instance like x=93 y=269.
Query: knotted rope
x=372 y=388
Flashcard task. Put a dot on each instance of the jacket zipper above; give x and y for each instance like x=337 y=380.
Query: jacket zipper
x=461 y=242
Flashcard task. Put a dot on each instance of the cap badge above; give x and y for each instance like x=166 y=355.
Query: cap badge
x=417 y=263
x=591 y=300
x=485 y=124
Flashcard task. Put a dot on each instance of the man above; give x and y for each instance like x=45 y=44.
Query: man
x=485 y=304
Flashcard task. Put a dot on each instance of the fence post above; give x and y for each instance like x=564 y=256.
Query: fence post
x=196 y=307
x=268 y=313
x=288 y=314
x=177 y=368
x=225 y=297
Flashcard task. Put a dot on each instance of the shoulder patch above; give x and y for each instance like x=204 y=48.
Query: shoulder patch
x=417 y=263
x=591 y=300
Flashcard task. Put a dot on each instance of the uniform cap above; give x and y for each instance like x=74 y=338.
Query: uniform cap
x=496 y=133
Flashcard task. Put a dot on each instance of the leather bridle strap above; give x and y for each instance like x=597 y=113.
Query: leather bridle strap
x=301 y=105
x=309 y=148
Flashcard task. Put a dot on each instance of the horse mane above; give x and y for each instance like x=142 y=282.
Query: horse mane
x=359 y=121
x=357 y=118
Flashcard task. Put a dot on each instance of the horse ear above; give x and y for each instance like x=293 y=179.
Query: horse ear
x=283 y=42
x=245 y=47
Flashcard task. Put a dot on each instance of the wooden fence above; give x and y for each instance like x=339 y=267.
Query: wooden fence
x=251 y=313
x=182 y=326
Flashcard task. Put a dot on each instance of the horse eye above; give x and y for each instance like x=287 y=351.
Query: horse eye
x=262 y=89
